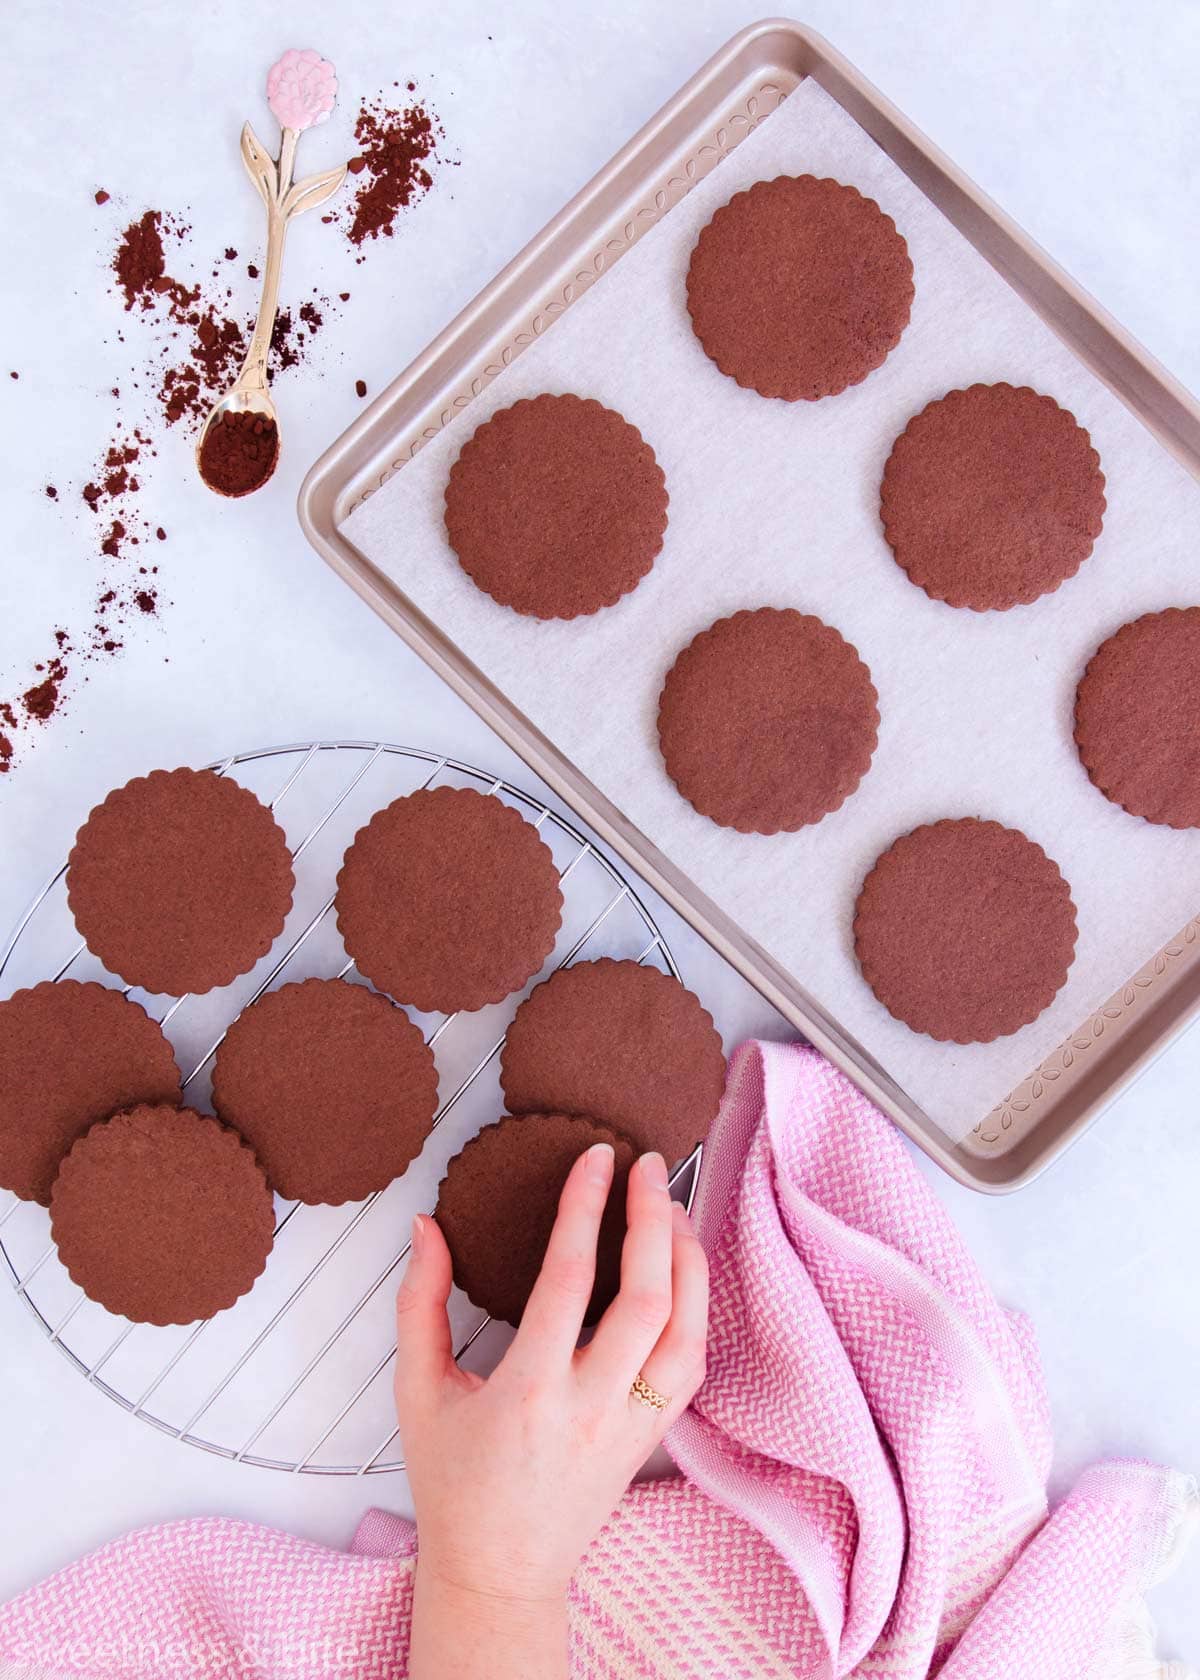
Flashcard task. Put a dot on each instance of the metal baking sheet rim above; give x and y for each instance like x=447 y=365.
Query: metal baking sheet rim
x=1067 y=1092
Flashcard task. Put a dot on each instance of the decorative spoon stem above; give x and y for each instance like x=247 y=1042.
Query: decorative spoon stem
x=239 y=441
x=253 y=375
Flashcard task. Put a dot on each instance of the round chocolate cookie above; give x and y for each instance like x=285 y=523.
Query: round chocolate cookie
x=162 y=1215
x=497 y=1204
x=1137 y=717
x=626 y=1044
x=180 y=881
x=767 y=721
x=991 y=497
x=71 y=1053
x=331 y=1085
x=799 y=287
x=448 y=900
x=965 y=930
x=556 y=507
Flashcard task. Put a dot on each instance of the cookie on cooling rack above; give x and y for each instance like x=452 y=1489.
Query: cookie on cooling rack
x=965 y=930
x=768 y=721
x=180 y=881
x=799 y=287
x=448 y=899
x=332 y=1086
x=556 y=506
x=497 y=1203
x=626 y=1044
x=71 y=1053
x=162 y=1215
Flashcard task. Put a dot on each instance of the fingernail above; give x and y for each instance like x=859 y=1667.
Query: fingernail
x=679 y=1217
x=655 y=1169
x=418 y=1235
x=600 y=1163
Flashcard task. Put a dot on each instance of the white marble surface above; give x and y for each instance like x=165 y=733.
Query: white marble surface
x=1081 y=118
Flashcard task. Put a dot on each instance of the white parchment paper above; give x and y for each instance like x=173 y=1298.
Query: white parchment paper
x=777 y=504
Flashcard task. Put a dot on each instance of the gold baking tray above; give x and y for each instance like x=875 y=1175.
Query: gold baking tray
x=740 y=86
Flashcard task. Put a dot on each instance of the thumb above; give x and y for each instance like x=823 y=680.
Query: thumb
x=423 y=1345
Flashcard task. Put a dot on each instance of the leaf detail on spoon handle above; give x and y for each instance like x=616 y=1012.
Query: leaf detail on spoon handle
x=260 y=166
x=283 y=200
x=312 y=191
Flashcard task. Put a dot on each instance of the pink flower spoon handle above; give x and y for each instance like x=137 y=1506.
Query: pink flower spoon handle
x=301 y=89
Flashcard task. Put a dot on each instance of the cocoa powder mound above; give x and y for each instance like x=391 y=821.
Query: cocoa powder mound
x=239 y=452
x=140 y=264
x=40 y=700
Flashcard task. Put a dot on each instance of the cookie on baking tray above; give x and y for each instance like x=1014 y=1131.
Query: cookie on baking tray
x=331 y=1085
x=162 y=1215
x=448 y=899
x=180 y=881
x=799 y=287
x=71 y=1053
x=497 y=1203
x=1137 y=717
x=965 y=930
x=626 y=1044
x=767 y=721
x=556 y=506
x=992 y=497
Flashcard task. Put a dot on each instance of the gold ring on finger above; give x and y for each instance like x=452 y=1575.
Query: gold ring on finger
x=648 y=1396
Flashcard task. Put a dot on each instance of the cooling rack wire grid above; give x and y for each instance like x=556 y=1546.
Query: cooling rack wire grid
x=297 y=1376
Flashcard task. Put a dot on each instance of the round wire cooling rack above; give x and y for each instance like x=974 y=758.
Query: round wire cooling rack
x=297 y=1376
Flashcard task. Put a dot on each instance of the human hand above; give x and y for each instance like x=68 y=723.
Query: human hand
x=512 y=1475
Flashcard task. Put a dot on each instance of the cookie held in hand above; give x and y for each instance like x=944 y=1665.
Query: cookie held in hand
x=498 y=1201
x=627 y=1045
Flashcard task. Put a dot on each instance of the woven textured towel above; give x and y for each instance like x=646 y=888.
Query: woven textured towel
x=862 y=1491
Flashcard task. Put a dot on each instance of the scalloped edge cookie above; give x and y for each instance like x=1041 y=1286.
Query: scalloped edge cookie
x=502 y=468
x=497 y=1243
x=107 y=1219
x=331 y=1085
x=1137 y=717
x=895 y=935
x=789 y=794
x=420 y=959
x=943 y=573
x=143 y=941
x=717 y=285
x=82 y=1051
x=626 y=1044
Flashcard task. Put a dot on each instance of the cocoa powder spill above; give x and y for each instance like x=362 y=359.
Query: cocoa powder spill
x=192 y=336
x=397 y=149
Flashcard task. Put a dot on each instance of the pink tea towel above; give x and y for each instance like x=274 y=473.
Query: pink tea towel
x=862 y=1489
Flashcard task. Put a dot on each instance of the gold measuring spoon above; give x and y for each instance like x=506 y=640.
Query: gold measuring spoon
x=238 y=445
